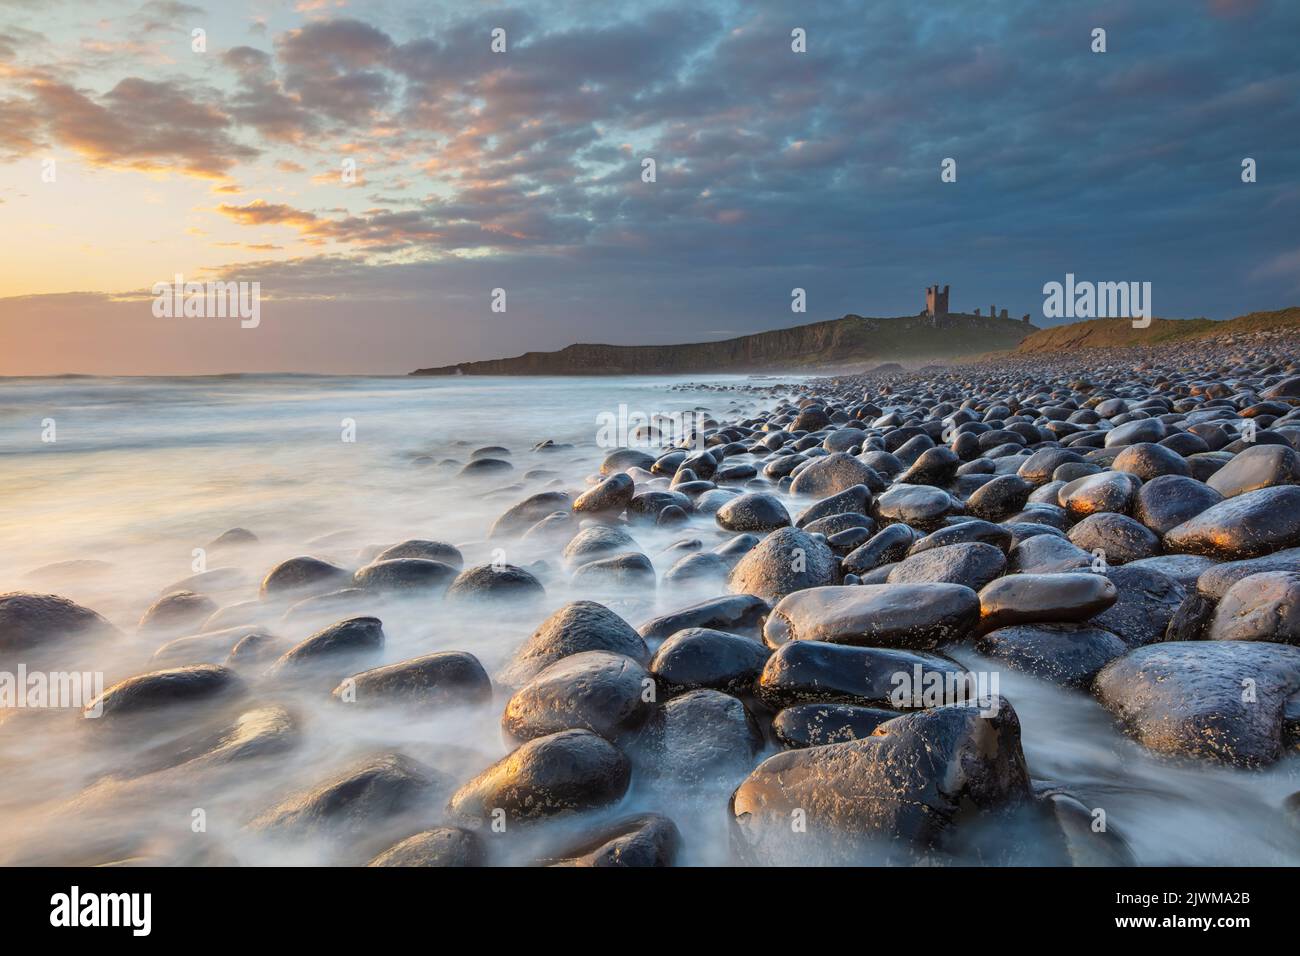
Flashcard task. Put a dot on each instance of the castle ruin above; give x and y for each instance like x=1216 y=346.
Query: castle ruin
x=936 y=302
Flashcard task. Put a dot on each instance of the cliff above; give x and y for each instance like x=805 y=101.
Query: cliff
x=838 y=344
x=1119 y=333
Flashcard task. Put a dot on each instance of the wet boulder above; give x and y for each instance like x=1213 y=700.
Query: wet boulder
x=596 y=542
x=816 y=672
x=447 y=678
x=888 y=545
x=700 y=739
x=608 y=694
x=755 y=511
x=735 y=612
x=813 y=725
x=441 y=551
x=1067 y=654
x=787 y=560
x=303 y=574
x=973 y=565
x=571 y=771
x=495 y=582
x=1249 y=525
x=405 y=576
x=1048 y=554
x=172 y=687
x=647 y=840
x=1259 y=607
x=920 y=506
x=701 y=657
x=528 y=512
x=917 y=616
x=440 y=846
x=893 y=797
x=1044 y=598
x=29 y=621
x=1166 y=502
x=1222 y=701
x=1262 y=466
x=1118 y=537
x=575 y=628
x=339 y=645
x=830 y=475
x=1145 y=602
x=611 y=496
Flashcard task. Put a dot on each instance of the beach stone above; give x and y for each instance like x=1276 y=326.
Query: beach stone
x=596 y=542
x=1246 y=526
x=802 y=672
x=1108 y=491
x=854 y=499
x=342 y=643
x=830 y=475
x=1215 y=581
x=965 y=531
x=755 y=511
x=1067 y=654
x=610 y=496
x=1260 y=607
x=592 y=690
x=1185 y=698
x=303 y=574
x=439 y=846
x=888 y=545
x=447 y=678
x=355 y=801
x=701 y=739
x=891 y=797
x=1147 y=600
x=1166 y=502
x=702 y=657
x=698 y=567
x=630 y=570
x=622 y=459
x=813 y=725
x=1048 y=554
x=210 y=647
x=568 y=772
x=1136 y=432
x=833 y=525
x=916 y=616
x=575 y=628
x=973 y=565
x=482 y=467
x=178 y=611
x=1183 y=568
x=1263 y=466
x=256 y=649
x=1037 y=469
x=1000 y=498
x=787 y=560
x=1044 y=598
x=447 y=554
x=233 y=537
x=920 y=506
x=528 y=512
x=1149 y=461
x=732 y=613
x=209 y=582
x=646 y=840
x=493 y=582
x=1118 y=537
x=934 y=466
x=191 y=684
x=405 y=576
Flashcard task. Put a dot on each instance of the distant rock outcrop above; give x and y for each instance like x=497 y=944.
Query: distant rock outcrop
x=849 y=342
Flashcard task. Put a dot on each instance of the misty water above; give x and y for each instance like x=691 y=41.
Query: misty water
x=142 y=472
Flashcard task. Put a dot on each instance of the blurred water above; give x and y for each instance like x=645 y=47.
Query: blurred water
x=144 y=471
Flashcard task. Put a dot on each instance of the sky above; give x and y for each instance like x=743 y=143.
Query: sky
x=379 y=169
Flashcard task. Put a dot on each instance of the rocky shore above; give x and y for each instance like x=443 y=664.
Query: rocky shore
x=861 y=566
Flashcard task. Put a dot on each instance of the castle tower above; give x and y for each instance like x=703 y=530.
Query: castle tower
x=936 y=302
